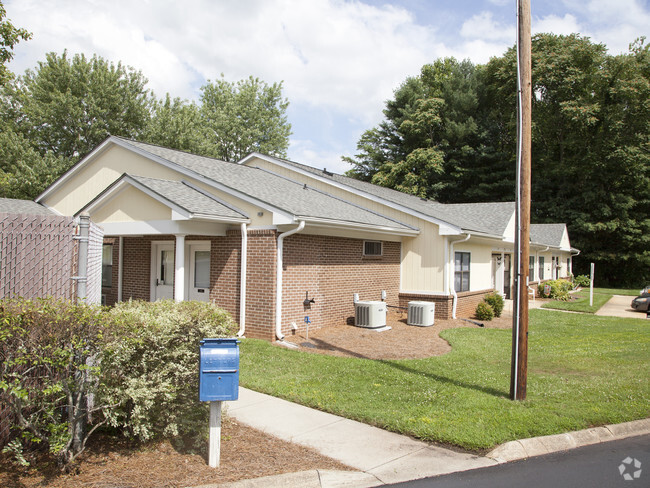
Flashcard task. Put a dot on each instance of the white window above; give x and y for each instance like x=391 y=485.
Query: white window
x=107 y=265
x=372 y=248
x=461 y=271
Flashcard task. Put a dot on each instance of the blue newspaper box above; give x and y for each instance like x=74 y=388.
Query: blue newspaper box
x=218 y=370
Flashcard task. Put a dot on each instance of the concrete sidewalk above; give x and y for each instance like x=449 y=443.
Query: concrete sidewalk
x=383 y=457
x=619 y=306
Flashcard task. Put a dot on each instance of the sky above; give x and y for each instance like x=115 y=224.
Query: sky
x=339 y=61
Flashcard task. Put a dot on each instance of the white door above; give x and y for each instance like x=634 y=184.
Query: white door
x=199 y=279
x=163 y=276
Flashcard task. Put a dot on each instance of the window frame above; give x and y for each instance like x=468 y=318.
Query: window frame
x=459 y=275
x=531 y=268
x=107 y=268
x=540 y=267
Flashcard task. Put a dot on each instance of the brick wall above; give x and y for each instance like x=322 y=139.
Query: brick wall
x=465 y=307
x=332 y=269
x=260 y=284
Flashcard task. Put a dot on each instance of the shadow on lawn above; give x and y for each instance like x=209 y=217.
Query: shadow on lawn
x=398 y=364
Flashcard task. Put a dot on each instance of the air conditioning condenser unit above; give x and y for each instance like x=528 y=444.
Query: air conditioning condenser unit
x=421 y=313
x=371 y=315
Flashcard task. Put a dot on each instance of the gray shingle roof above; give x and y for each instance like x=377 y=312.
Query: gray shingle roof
x=290 y=196
x=188 y=198
x=488 y=218
x=547 y=234
x=12 y=205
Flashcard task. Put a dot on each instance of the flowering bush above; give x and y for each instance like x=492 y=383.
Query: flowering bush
x=559 y=289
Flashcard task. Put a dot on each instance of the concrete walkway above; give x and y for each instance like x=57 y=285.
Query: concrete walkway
x=619 y=306
x=383 y=457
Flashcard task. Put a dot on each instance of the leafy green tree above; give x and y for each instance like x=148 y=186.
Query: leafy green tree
x=9 y=37
x=176 y=124
x=69 y=106
x=24 y=173
x=429 y=134
x=245 y=116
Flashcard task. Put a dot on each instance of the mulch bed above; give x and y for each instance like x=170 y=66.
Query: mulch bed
x=402 y=341
x=112 y=463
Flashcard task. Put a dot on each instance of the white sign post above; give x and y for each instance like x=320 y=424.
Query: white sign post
x=215 y=435
x=591 y=287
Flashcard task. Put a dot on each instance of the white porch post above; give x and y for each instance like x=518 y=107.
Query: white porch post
x=499 y=275
x=179 y=271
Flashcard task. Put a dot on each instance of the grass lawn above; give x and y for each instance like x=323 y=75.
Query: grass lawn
x=581 y=304
x=615 y=291
x=583 y=371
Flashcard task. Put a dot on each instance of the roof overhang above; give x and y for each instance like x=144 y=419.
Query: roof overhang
x=445 y=228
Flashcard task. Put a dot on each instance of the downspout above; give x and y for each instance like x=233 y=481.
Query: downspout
x=120 y=270
x=452 y=290
x=242 y=281
x=278 y=279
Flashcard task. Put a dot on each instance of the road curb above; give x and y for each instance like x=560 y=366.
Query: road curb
x=539 y=446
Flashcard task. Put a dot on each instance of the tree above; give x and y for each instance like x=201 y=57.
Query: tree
x=429 y=138
x=24 y=173
x=245 y=116
x=176 y=124
x=69 y=106
x=9 y=37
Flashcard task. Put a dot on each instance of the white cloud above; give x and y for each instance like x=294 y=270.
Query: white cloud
x=306 y=152
x=565 y=25
x=483 y=26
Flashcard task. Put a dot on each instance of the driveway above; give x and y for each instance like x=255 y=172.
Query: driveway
x=619 y=306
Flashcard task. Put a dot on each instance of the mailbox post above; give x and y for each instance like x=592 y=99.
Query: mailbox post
x=218 y=382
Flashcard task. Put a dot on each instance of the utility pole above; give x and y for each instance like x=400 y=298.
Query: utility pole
x=519 y=365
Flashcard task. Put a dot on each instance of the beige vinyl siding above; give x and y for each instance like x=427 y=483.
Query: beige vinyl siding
x=480 y=277
x=131 y=205
x=98 y=174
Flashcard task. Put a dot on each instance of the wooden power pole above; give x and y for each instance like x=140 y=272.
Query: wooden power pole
x=519 y=366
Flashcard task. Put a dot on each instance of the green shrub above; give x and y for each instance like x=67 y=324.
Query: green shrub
x=559 y=289
x=48 y=371
x=582 y=280
x=484 y=311
x=496 y=302
x=150 y=370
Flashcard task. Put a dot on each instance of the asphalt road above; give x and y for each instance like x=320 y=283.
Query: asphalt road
x=602 y=465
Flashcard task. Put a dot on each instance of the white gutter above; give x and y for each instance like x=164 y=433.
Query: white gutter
x=120 y=269
x=242 y=280
x=278 y=279
x=452 y=289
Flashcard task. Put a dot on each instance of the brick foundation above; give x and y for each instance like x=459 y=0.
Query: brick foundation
x=465 y=307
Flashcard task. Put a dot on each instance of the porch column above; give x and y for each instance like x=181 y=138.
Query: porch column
x=179 y=271
x=499 y=275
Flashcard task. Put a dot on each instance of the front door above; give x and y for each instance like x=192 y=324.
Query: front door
x=199 y=279
x=163 y=285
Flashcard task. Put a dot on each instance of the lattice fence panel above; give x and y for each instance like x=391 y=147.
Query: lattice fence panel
x=94 y=283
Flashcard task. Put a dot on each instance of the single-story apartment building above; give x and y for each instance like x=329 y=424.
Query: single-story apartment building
x=274 y=242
